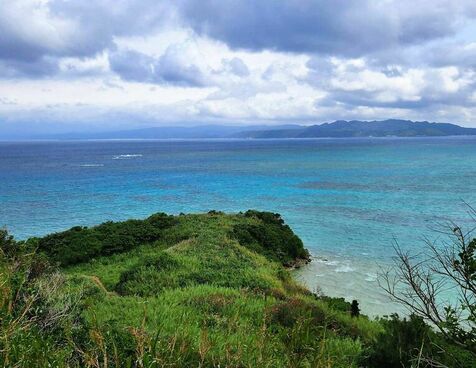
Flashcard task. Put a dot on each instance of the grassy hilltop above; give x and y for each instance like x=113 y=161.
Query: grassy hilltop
x=207 y=290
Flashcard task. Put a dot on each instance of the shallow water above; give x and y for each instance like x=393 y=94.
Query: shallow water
x=346 y=198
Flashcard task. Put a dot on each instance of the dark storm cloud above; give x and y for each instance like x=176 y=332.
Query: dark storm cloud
x=295 y=26
x=348 y=28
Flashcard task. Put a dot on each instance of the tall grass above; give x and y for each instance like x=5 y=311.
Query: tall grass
x=199 y=291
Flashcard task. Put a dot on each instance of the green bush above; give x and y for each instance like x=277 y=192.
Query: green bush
x=287 y=313
x=410 y=342
x=8 y=245
x=339 y=304
x=271 y=237
x=80 y=244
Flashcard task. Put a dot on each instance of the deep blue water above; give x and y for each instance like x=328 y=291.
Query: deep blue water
x=346 y=198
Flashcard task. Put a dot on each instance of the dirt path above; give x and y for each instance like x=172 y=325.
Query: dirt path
x=99 y=283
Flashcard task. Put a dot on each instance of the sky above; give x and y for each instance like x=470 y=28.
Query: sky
x=68 y=65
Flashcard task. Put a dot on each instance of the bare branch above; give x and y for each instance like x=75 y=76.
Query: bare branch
x=420 y=281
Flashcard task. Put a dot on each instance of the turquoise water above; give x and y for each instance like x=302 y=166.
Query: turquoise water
x=346 y=198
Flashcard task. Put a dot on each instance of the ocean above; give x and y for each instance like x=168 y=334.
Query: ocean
x=349 y=200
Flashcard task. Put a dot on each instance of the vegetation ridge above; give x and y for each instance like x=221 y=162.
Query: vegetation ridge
x=199 y=290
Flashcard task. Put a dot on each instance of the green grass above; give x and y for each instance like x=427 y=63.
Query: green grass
x=218 y=298
x=204 y=290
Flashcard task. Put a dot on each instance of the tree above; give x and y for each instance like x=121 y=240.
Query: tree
x=420 y=281
x=7 y=243
x=354 y=309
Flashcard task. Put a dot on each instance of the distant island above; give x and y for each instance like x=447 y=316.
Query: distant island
x=357 y=128
x=336 y=129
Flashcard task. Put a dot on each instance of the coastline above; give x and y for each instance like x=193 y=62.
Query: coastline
x=349 y=278
x=231 y=139
x=221 y=284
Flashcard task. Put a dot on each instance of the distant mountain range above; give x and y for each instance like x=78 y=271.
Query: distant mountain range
x=336 y=129
x=356 y=128
x=194 y=132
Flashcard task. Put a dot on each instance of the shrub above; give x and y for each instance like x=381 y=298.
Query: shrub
x=38 y=314
x=288 y=312
x=270 y=236
x=354 y=308
x=80 y=244
x=411 y=342
x=8 y=246
x=336 y=303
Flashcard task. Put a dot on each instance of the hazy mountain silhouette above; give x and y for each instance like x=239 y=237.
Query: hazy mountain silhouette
x=336 y=129
x=356 y=128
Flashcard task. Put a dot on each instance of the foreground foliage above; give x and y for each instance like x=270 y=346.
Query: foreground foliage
x=186 y=291
x=420 y=282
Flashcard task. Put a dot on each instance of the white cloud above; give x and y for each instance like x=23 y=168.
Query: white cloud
x=155 y=62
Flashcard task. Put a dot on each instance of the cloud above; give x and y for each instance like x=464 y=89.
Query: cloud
x=133 y=66
x=348 y=28
x=289 y=60
x=172 y=68
x=356 y=83
x=43 y=31
x=176 y=68
x=44 y=66
x=181 y=64
x=35 y=31
x=451 y=53
x=236 y=66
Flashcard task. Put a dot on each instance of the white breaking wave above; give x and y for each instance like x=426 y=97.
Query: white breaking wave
x=91 y=165
x=344 y=268
x=124 y=157
x=325 y=261
x=371 y=277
